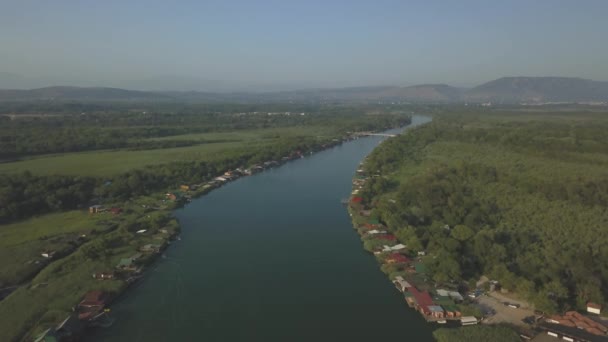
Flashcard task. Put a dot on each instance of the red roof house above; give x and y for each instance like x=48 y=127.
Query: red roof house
x=356 y=199
x=389 y=237
x=93 y=299
x=396 y=258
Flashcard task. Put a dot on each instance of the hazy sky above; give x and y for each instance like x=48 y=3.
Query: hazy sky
x=305 y=42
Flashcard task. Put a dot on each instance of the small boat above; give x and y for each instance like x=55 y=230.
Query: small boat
x=442 y=321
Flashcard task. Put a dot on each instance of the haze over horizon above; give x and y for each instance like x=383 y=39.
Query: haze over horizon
x=274 y=45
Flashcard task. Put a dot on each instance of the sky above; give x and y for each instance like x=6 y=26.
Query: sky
x=298 y=44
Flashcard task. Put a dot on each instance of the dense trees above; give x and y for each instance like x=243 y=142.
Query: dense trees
x=521 y=201
x=24 y=195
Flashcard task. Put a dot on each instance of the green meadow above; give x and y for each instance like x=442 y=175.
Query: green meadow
x=108 y=163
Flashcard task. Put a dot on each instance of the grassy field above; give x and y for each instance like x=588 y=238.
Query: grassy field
x=107 y=163
x=22 y=243
x=49 y=296
x=254 y=134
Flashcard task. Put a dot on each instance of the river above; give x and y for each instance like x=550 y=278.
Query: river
x=271 y=257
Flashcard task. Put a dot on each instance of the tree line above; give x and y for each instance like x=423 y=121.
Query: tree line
x=519 y=201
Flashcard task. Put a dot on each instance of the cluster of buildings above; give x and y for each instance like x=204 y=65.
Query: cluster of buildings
x=91 y=311
x=185 y=190
x=574 y=326
x=439 y=306
x=442 y=305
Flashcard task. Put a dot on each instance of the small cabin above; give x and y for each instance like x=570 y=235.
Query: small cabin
x=97 y=208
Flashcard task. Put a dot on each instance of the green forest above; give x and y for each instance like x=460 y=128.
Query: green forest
x=520 y=198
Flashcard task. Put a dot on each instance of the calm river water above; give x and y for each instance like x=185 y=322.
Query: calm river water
x=271 y=257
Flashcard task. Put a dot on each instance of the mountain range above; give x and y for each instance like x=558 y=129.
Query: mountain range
x=506 y=90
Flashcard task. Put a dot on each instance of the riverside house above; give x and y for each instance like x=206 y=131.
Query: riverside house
x=93 y=303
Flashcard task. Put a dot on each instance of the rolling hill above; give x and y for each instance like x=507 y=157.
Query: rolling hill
x=506 y=90
x=539 y=90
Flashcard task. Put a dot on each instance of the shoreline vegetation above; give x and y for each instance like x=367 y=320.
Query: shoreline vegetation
x=97 y=251
x=444 y=207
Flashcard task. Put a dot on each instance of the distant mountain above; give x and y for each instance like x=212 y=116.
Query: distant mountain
x=507 y=90
x=62 y=93
x=539 y=90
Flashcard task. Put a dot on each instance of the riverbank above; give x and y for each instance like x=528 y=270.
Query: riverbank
x=465 y=204
x=404 y=266
x=139 y=232
x=270 y=257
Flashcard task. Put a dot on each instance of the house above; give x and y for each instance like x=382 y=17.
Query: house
x=436 y=311
x=47 y=254
x=451 y=311
x=97 y=208
x=424 y=303
x=103 y=275
x=115 y=210
x=594 y=308
x=356 y=199
x=93 y=299
x=401 y=284
x=93 y=303
x=451 y=294
x=127 y=264
x=184 y=187
x=388 y=237
x=396 y=258
x=171 y=196
x=397 y=247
